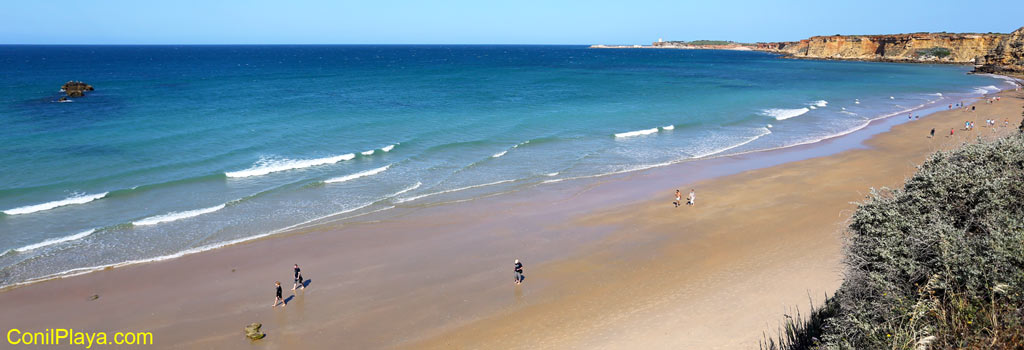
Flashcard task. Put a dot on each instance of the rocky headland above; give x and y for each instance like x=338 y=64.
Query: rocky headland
x=990 y=53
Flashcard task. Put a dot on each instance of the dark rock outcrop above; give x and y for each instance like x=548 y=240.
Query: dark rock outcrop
x=75 y=88
x=252 y=331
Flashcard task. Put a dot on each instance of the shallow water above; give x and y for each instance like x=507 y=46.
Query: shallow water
x=186 y=148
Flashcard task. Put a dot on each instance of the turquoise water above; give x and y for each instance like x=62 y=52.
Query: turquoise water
x=185 y=148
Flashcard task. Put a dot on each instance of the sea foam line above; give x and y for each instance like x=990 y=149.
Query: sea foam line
x=53 y=241
x=76 y=199
x=637 y=133
x=263 y=166
x=764 y=131
x=388 y=148
x=85 y=270
x=403 y=200
x=360 y=174
x=783 y=114
x=499 y=154
x=176 y=215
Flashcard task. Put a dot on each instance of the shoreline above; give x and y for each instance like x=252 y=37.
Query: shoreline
x=355 y=212
x=574 y=224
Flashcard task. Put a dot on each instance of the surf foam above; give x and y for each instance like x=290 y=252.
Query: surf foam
x=360 y=174
x=75 y=199
x=388 y=148
x=499 y=154
x=637 y=133
x=265 y=166
x=367 y=153
x=176 y=215
x=668 y=127
x=53 y=241
x=783 y=114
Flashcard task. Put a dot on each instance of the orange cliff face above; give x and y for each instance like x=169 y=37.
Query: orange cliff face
x=1006 y=57
x=917 y=47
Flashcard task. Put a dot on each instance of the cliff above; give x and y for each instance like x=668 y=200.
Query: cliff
x=1006 y=57
x=916 y=47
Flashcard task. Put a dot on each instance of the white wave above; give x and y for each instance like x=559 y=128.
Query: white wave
x=847 y=112
x=265 y=166
x=637 y=133
x=764 y=132
x=812 y=107
x=668 y=127
x=53 y=241
x=892 y=98
x=176 y=215
x=844 y=108
x=820 y=103
x=85 y=270
x=407 y=189
x=551 y=174
x=937 y=94
x=783 y=114
x=358 y=175
x=388 y=148
x=499 y=154
x=403 y=200
x=769 y=126
x=367 y=153
x=74 y=199
x=856 y=101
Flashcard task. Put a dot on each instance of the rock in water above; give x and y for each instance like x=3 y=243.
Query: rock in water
x=76 y=88
x=252 y=331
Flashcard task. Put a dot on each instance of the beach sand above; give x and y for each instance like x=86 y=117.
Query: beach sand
x=610 y=263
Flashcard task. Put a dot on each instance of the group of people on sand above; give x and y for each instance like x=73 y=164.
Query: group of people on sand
x=689 y=199
x=299 y=283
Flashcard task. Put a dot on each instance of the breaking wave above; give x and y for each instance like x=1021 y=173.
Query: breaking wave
x=358 y=175
x=637 y=133
x=783 y=114
x=267 y=166
x=177 y=215
x=53 y=241
x=75 y=199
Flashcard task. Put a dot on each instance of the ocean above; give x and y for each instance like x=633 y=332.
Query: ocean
x=182 y=149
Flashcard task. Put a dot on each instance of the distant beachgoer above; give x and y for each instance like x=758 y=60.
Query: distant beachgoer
x=519 y=272
x=279 y=298
x=692 y=198
x=950 y=131
x=917 y=116
x=679 y=199
x=972 y=108
x=967 y=125
x=933 y=133
x=950 y=106
x=1006 y=123
x=298 y=279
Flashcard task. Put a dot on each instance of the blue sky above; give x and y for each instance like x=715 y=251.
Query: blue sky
x=483 y=21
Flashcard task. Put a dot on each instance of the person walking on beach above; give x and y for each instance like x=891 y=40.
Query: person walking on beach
x=950 y=131
x=279 y=298
x=933 y=133
x=690 y=200
x=298 y=279
x=679 y=198
x=519 y=272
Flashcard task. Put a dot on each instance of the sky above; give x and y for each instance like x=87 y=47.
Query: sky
x=484 y=21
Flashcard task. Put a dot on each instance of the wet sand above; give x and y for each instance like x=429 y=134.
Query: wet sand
x=609 y=262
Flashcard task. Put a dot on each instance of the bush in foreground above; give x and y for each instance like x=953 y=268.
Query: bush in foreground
x=938 y=264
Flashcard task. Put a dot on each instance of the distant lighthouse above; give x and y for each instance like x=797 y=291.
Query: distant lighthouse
x=659 y=40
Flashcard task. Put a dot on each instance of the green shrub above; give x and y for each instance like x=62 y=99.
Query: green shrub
x=940 y=52
x=939 y=262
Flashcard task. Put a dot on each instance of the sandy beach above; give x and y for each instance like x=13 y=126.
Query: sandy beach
x=609 y=262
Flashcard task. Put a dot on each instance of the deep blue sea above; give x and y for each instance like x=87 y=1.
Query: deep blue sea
x=184 y=148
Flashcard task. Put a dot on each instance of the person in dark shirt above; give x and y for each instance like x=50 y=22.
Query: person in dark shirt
x=279 y=298
x=519 y=272
x=298 y=279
